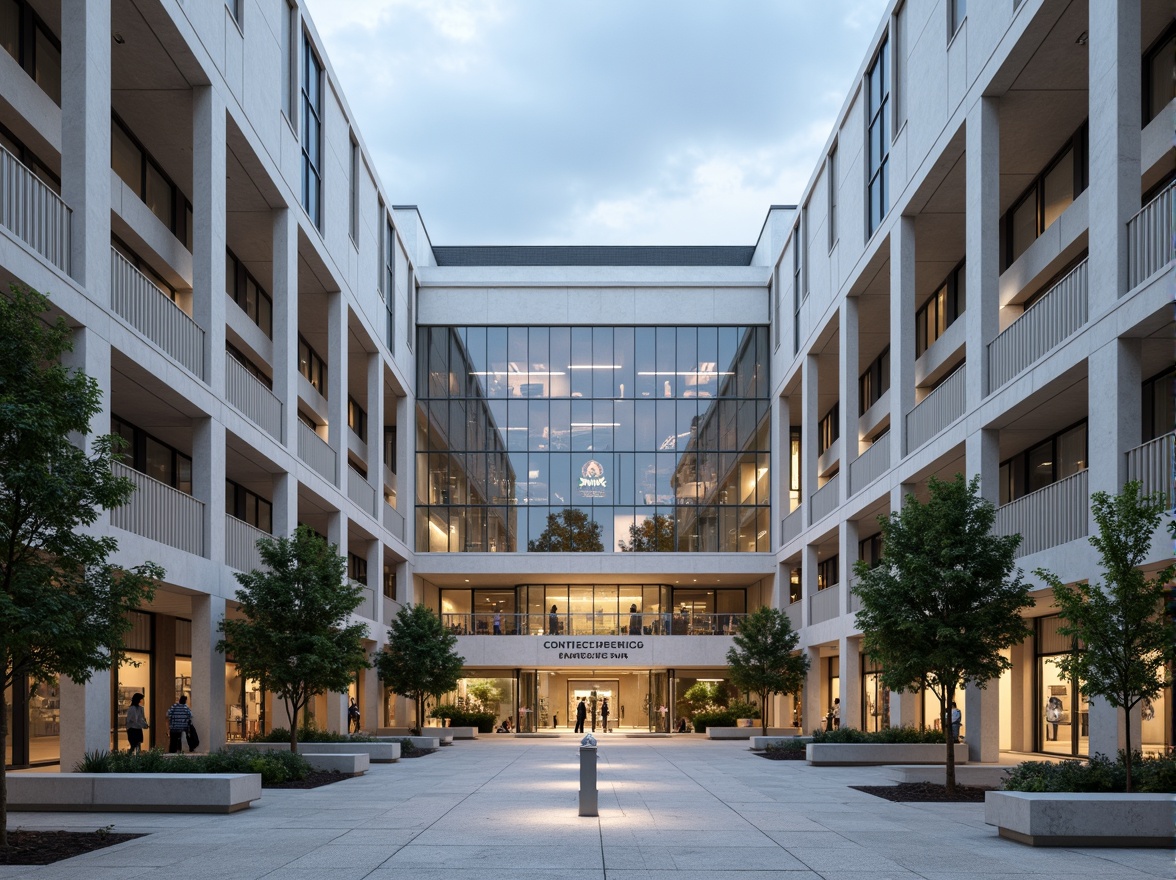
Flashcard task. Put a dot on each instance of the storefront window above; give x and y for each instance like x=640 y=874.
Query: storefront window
x=1064 y=712
x=133 y=677
x=236 y=727
x=875 y=702
x=931 y=709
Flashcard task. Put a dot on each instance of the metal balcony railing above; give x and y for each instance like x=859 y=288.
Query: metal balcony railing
x=256 y=402
x=937 y=410
x=241 y=540
x=593 y=624
x=1047 y=323
x=1053 y=515
x=1149 y=238
x=394 y=521
x=824 y=501
x=792 y=525
x=160 y=513
x=316 y=452
x=151 y=311
x=368 y=607
x=360 y=491
x=1152 y=465
x=825 y=604
x=33 y=212
x=870 y=465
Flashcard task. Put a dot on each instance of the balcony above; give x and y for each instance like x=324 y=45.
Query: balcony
x=593 y=624
x=160 y=513
x=367 y=607
x=937 y=410
x=824 y=501
x=33 y=212
x=150 y=311
x=1056 y=514
x=316 y=453
x=791 y=525
x=1149 y=238
x=256 y=402
x=394 y=521
x=1044 y=325
x=825 y=605
x=360 y=491
x=870 y=465
x=854 y=603
x=1151 y=464
x=793 y=611
x=241 y=540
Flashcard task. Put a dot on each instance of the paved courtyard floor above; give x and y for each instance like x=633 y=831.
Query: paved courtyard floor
x=679 y=808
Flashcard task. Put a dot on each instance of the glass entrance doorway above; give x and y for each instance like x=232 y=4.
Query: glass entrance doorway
x=637 y=700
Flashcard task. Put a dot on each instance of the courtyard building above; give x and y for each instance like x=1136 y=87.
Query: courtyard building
x=976 y=278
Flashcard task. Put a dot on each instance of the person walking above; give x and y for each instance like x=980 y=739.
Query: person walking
x=179 y=719
x=136 y=724
x=604 y=714
x=956 y=717
x=837 y=713
x=353 y=717
x=581 y=715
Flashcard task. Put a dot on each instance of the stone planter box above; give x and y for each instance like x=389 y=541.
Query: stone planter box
x=759 y=743
x=974 y=775
x=831 y=754
x=349 y=764
x=443 y=734
x=133 y=792
x=1082 y=819
x=377 y=752
x=747 y=732
x=455 y=732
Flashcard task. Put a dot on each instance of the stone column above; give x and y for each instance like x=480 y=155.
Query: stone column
x=982 y=454
x=285 y=294
x=208 y=483
x=808 y=581
x=375 y=564
x=902 y=333
x=208 y=229
x=904 y=709
x=849 y=369
x=1114 y=195
x=85 y=717
x=982 y=722
x=163 y=672
x=208 y=671
x=337 y=384
x=285 y=504
x=85 y=141
x=847 y=555
x=982 y=222
x=809 y=438
x=814 y=715
x=851 y=681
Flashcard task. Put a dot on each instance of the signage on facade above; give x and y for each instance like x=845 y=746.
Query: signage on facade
x=595 y=651
x=593 y=483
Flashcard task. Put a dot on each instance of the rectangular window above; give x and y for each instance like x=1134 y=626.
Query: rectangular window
x=1044 y=463
x=28 y=39
x=389 y=582
x=390 y=447
x=874 y=382
x=941 y=310
x=794 y=592
x=312 y=366
x=244 y=290
x=829 y=430
x=289 y=62
x=804 y=255
x=1159 y=414
x=878 y=138
x=898 y=51
x=831 y=183
x=249 y=507
x=356 y=418
x=234 y=7
x=828 y=572
x=312 y=133
x=870 y=549
x=1159 y=86
x=357 y=568
x=413 y=290
x=956 y=11
x=10 y=27
x=353 y=193
x=146 y=178
x=389 y=276
x=150 y=455
x=796 y=298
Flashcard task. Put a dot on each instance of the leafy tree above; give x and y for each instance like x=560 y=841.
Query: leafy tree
x=568 y=531
x=63 y=607
x=763 y=659
x=655 y=533
x=1127 y=641
x=485 y=692
x=945 y=598
x=703 y=696
x=294 y=634
x=419 y=660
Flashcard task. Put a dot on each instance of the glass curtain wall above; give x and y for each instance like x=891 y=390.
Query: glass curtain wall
x=658 y=435
x=1063 y=726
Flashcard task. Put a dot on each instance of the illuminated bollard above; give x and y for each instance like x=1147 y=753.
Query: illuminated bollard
x=588 y=795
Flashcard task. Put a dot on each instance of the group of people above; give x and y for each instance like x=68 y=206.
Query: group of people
x=180 y=725
x=582 y=714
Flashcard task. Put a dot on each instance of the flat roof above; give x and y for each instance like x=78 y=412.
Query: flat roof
x=605 y=255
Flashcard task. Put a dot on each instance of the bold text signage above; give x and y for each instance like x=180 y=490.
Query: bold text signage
x=595 y=650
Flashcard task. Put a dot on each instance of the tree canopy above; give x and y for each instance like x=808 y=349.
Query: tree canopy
x=293 y=635
x=420 y=660
x=63 y=607
x=1127 y=642
x=654 y=533
x=568 y=531
x=945 y=598
x=764 y=661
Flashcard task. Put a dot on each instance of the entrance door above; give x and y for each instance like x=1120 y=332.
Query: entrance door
x=594 y=692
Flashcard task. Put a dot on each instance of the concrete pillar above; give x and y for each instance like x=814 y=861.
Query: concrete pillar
x=375 y=565
x=208 y=671
x=982 y=220
x=848 y=369
x=163 y=672
x=809 y=438
x=982 y=722
x=1114 y=195
x=851 y=681
x=208 y=229
x=904 y=709
x=208 y=483
x=337 y=383
x=371 y=689
x=847 y=554
x=814 y=714
x=982 y=453
x=85 y=717
x=1021 y=703
x=91 y=355
x=285 y=487
x=85 y=141
x=808 y=581
x=1114 y=413
x=902 y=333
x=336 y=720
x=285 y=294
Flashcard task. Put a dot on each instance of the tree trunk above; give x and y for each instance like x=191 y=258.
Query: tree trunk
x=4 y=781
x=292 y=708
x=949 y=779
x=1127 y=730
x=764 y=713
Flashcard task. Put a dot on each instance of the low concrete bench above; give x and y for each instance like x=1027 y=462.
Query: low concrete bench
x=759 y=743
x=133 y=792
x=974 y=775
x=463 y=732
x=353 y=764
x=377 y=752
x=443 y=734
x=831 y=754
x=1082 y=819
x=747 y=732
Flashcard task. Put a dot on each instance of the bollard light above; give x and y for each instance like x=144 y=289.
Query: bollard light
x=588 y=795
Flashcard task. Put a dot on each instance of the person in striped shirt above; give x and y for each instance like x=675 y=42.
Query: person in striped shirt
x=179 y=719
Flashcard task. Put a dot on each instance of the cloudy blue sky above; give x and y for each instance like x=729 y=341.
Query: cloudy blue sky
x=603 y=122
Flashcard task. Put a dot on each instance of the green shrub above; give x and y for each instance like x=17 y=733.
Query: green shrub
x=743 y=709
x=793 y=749
x=274 y=767
x=717 y=718
x=484 y=721
x=1153 y=775
x=309 y=735
x=448 y=710
x=887 y=735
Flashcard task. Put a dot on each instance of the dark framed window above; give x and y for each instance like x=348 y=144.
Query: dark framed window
x=290 y=62
x=150 y=455
x=356 y=418
x=870 y=549
x=250 y=367
x=874 y=382
x=313 y=367
x=796 y=293
x=1159 y=415
x=794 y=589
x=247 y=506
x=389 y=282
x=1044 y=463
x=828 y=429
x=413 y=290
x=28 y=39
x=353 y=194
x=794 y=458
x=357 y=568
x=247 y=293
x=390 y=447
x=831 y=183
x=235 y=10
x=312 y=132
x=1159 y=86
x=28 y=158
x=828 y=572
x=957 y=10
x=1064 y=178
x=941 y=310
x=389 y=582
x=146 y=178
x=804 y=244
x=878 y=138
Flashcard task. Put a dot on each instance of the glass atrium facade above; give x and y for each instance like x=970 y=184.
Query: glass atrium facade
x=658 y=435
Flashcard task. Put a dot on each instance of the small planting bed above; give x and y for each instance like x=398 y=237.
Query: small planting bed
x=924 y=793
x=47 y=847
